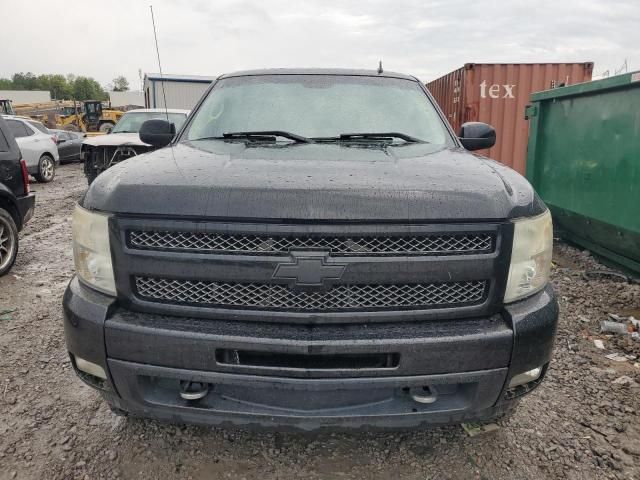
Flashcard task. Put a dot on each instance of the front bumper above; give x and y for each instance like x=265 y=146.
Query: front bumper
x=467 y=363
x=26 y=206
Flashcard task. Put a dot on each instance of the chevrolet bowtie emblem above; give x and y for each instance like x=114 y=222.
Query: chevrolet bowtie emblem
x=309 y=269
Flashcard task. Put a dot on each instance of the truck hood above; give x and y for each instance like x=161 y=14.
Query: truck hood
x=114 y=139
x=230 y=180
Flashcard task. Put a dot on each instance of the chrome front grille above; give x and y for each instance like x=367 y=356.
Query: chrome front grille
x=336 y=298
x=424 y=244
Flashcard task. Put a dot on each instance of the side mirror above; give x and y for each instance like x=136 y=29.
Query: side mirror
x=108 y=129
x=477 y=135
x=60 y=140
x=158 y=133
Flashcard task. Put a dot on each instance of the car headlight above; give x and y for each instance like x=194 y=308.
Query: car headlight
x=530 y=257
x=91 y=252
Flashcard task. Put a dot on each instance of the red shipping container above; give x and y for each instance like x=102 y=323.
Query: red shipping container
x=497 y=93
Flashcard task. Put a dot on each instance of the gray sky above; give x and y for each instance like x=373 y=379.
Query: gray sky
x=426 y=38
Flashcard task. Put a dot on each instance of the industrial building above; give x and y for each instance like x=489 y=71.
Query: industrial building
x=26 y=96
x=126 y=100
x=181 y=91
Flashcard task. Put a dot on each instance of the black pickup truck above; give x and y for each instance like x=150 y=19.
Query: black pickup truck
x=313 y=248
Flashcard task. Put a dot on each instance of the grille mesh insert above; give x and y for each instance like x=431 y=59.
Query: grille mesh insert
x=428 y=244
x=338 y=297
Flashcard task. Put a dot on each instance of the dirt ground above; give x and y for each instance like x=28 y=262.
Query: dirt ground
x=582 y=423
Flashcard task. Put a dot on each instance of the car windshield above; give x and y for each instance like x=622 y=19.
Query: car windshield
x=318 y=106
x=132 y=121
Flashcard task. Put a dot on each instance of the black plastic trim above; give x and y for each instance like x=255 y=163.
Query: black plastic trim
x=129 y=263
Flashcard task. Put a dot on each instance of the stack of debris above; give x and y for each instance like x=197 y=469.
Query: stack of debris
x=619 y=330
x=621 y=325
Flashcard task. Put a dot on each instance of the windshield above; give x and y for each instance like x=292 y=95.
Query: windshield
x=132 y=121
x=318 y=106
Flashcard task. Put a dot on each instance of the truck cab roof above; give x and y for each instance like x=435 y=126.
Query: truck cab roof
x=318 y=71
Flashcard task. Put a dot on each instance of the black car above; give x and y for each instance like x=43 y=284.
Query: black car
x=314 y=249
x=69 y=144
x=16 y=202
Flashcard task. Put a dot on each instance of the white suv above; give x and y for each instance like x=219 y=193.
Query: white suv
x=38 y=146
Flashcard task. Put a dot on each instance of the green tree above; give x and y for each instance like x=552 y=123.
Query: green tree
x=86 y=88
x=24 y=81
x=120 y=84
x=56 y=84
x=61 y=87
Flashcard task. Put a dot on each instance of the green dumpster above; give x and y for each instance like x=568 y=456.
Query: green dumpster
x=583 y=159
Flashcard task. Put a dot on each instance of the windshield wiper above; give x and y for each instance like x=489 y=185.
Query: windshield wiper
x=267 y=135
x=371 y=136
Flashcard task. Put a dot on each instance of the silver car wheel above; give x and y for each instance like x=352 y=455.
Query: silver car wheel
x=47 y=169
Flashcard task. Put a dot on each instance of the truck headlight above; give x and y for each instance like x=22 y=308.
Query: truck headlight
x=530 y=257
x=91 y=252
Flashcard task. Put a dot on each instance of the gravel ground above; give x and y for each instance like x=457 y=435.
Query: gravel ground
x=582 y=423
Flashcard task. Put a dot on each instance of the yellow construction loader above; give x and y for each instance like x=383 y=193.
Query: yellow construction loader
x=93 y=118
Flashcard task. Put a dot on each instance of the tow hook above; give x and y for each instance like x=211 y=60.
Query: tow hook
x=426 y=394
x=193 y=390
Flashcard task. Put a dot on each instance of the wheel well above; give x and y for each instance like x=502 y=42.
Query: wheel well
x=9 y=206
x=50 y=155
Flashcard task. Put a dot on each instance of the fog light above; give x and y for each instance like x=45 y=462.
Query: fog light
x=90 y=368
x=526 y=377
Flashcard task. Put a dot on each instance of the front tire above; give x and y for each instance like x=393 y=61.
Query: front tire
x=104 y=127
x=46 y=169
x=8 y=241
